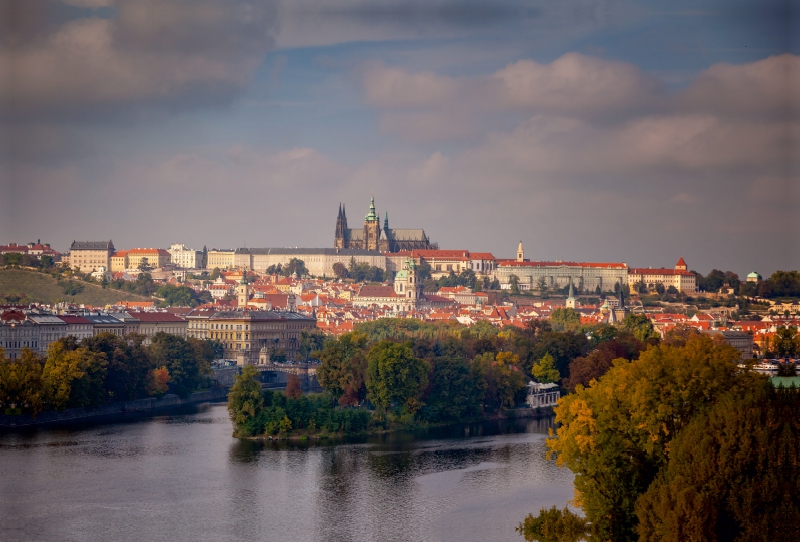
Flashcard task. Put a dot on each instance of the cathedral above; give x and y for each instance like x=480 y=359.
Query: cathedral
x=374 y=237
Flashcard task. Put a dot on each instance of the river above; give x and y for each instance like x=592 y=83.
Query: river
x=184 y=478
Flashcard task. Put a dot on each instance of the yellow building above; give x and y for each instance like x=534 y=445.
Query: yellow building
x=89 y=256
x=220 y=258
x=156 y=257
x=248 y=331
x=119 y=261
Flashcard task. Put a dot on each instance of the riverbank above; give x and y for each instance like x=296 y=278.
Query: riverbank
x=113 y=412
x=304 y=435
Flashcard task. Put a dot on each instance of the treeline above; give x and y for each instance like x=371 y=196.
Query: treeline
x=102 y=369
x=678 y=444
x=779 y=284
x=411 y=372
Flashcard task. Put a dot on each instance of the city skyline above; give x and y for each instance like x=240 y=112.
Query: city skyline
x=605 y=131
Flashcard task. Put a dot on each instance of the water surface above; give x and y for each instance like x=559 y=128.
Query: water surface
x=183 y=478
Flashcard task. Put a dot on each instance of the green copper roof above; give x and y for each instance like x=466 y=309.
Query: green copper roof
x=372 y=215
x=786 y=381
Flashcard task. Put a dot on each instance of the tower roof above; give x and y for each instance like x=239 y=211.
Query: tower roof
x=371 y=215
x=681 y=263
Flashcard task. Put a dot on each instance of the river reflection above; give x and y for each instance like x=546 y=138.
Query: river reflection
x=184 y=478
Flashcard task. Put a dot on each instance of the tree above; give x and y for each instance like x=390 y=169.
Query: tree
x=340 y=270
x=144 y=264
x=660 y=288
x=504 y=381
x=730 y=474
x=584 y=369
x=179 y=356
x=21 y=387
x=215 y=273
x=545 y=371
x=127 y=366
x=541 y=285
x=640 y=326
x=454 y=393
x=177 y=296
x=158 y=381
x=295 y=265
x=787 y=342
x=395 y=376
x=311 y=340
x=204 y=258
x=245 y=401
x=294 y=389
x=565 y=319
x=615 y=434
x=343 y=369
x=513 y=281
x=672 y=290
x=554 y=525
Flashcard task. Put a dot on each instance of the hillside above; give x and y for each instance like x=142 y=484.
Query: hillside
x=45 y=289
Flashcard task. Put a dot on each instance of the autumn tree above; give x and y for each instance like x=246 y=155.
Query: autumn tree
x=615 y=434
x=505 y=382
x=294 y=389
x=730 y=474
x=544 y=370
x=565 y=319
x=21 y=389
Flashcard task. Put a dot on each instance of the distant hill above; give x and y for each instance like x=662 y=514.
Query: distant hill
x=42 y=288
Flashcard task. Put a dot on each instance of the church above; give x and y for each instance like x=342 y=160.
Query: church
x=374 y=237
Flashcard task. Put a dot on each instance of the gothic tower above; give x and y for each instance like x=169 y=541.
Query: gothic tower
x=384 y=243
x=340 y=238
x=372 y=228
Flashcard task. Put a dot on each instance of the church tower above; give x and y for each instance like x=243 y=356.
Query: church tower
x=372 y=228
x=520 y=253
x=384 y=243
x=340 y=237
x=242 y=291
x=408 y=287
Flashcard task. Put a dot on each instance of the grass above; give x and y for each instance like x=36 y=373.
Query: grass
x=43 y=288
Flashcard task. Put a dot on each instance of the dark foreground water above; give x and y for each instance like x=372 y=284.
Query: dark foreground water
x=183 y=478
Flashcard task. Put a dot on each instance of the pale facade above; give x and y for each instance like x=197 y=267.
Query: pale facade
x=184 y=257
x=156 y=257
x=318 y=261
x=221 y=258
x=679 y=277
x=90 y=255
x=583 y=275
x=119 y=261
x=247 y=332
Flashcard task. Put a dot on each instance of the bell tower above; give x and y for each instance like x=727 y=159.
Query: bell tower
x=242 y=291
x=520 y=253
x=372 y=228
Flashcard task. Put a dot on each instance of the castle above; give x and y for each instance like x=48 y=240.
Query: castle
x=374 y=237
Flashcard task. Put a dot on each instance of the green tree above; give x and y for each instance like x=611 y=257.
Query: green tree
x=545 y=371
x=513 y=281
x=311 y=340
x=245 y=401
x=295 y=265
x=505 y=383
x=554 y=525
x=730 y=475
x=127 y=366
x=177 y=296
x=565 y=319
x=144 y=264
x=454 y=393
x=395 y=376
x=615 y=434
x=640 y=326
x=343 y=370
x=786 y=342
x=179 y=356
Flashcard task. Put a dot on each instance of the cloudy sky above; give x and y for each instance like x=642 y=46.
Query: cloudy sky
x=590 y=130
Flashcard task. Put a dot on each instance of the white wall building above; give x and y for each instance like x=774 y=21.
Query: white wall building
x=184 y=257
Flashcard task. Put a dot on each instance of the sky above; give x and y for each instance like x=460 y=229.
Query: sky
x=636 y=132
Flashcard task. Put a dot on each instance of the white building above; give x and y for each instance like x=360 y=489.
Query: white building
x=184 y=257
x=585 y=276
x=542 y=395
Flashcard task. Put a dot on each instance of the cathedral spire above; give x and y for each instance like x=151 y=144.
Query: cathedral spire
x=372 y=216
x=386 y=222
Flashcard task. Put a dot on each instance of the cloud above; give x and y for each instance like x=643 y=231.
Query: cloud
x=767 y=87
x=178 y=53
x=396 y=87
